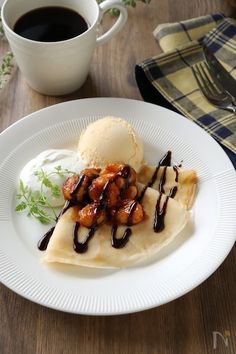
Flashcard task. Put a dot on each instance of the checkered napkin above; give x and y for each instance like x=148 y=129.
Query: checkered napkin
x=168 y=79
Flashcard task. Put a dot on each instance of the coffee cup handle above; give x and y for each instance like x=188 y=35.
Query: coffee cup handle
x=118 y=25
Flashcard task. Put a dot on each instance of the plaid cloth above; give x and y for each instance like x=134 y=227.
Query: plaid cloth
x=168 y=79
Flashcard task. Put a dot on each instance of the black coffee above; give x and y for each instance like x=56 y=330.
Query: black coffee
x=50 y=24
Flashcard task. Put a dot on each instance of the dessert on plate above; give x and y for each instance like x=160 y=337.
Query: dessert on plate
x=114 y=227
x=118 y=211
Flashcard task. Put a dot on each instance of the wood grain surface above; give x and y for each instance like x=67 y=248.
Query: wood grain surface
x=185 y=325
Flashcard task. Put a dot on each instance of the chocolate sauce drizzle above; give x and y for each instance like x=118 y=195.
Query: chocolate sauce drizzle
x=102 y=198
x=176 y=169
x=162 y=180
x=160 y=213
x=173 y=192
x=82 y=247
x=131 y=212
x=43 y=242
x=77 y=185
x=125 y=172
x=120 y=242
x=165 y=161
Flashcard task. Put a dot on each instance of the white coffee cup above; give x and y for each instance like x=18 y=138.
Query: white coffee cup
x=58 y=68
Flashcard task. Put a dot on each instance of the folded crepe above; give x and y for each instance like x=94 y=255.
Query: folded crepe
x=184 y=180
x=143 y=243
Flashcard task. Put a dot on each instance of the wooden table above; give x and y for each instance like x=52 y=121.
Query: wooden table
x=185 y=325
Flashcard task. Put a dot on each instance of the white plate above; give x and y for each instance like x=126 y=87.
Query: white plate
x=177 y=269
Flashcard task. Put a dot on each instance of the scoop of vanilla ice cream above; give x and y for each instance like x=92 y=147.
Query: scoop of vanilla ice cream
x=110 y=140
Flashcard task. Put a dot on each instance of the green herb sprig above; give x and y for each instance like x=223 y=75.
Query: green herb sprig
x=6 y=65
x=6 y=68
x=35 y=202
x=132 y=3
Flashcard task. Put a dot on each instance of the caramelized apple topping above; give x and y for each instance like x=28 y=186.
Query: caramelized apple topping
x=105 y=195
